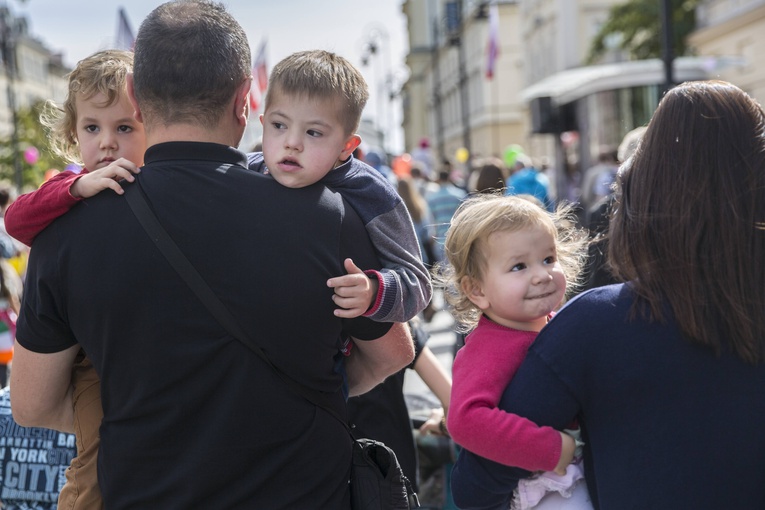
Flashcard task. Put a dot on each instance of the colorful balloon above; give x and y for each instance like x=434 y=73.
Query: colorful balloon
x=511 y=154
x=462 y=155
x=402 y=165
x=31 y=154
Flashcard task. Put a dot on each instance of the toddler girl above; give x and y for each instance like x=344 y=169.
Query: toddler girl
x=508 y=264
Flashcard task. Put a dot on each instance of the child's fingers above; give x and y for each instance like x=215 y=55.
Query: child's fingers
x=114 y=185
x=126 y=165
x=351 y=268
x=351 y=304
x=349 y=292
x=349 y=280
x=348 y=314
x=122 y=173
x=347 y=301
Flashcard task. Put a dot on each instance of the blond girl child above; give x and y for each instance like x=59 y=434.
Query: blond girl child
x=94 y=127
x=509 y=262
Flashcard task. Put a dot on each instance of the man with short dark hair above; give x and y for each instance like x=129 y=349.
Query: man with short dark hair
x=192 y=417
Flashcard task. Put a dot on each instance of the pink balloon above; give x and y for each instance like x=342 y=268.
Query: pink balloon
x=31 y=155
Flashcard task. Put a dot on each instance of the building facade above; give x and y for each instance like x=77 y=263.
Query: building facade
x=449 y=96
x=29 y=71
x=542 y=95
x=729 y=35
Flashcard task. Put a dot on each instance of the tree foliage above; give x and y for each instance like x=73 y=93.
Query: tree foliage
x=30 y=134
x=635 y=27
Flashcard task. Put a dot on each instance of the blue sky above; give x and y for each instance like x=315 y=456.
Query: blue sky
x=78 y=28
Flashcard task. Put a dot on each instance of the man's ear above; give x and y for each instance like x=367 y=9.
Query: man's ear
x=351 y=143
x=472 y=289
x=242 y=102
x=131 y=96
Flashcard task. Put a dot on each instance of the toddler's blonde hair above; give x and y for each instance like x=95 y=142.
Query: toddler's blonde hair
x=484 y=214
x=101 y=73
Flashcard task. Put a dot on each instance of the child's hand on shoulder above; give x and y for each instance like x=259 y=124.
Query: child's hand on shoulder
x=355 y=292
x=103 y=178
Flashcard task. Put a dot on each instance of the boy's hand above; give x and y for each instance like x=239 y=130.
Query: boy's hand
x=566 y=453
x=106 y=177
x=354 y=292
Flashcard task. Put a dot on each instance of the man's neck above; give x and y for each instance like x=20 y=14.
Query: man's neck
x=191 y=133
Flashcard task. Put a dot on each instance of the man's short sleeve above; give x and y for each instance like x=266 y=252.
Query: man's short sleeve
x=42 y=326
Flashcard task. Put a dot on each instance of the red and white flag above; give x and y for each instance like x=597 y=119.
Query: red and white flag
x=259 y=77
x=125 y=39
x=493 y=45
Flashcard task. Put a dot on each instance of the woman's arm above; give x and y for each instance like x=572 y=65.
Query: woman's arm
x=435 y=377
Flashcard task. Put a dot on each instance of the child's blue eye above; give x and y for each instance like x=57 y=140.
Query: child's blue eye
x=313 y=133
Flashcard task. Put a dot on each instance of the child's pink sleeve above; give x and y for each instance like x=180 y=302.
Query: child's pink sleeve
x=481 y=371
x=29 y=214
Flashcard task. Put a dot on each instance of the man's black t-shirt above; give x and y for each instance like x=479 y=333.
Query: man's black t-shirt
x=193 y=418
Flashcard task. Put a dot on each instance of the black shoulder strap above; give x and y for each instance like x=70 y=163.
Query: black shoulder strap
x=140 y=207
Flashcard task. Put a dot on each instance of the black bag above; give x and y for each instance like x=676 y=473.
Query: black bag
x=377 y=481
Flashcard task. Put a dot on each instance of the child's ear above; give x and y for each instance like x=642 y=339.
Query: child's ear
x=351 y=143
x=474 y=292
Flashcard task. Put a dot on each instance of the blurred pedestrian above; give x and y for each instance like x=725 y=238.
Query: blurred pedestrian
x=382 y=413
x=597 y=271
x=443 y=203
x=598 y=179
x=31 y=462
x=423 y=154
x=525 y=179
x=488 y=176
